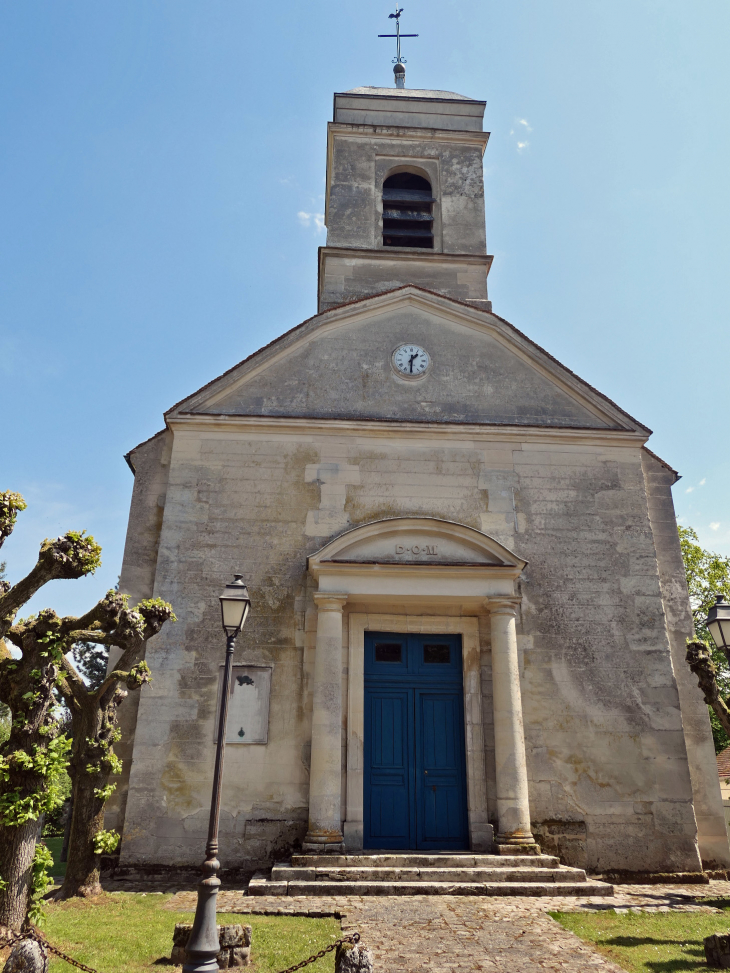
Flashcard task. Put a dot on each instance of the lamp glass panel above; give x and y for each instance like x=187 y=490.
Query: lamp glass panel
x=723 y=625
x=233 y=610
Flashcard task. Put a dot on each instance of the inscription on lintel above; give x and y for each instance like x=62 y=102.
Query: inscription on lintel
x=430 y=550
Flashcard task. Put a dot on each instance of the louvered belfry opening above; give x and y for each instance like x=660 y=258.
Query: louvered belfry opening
x=407 y=211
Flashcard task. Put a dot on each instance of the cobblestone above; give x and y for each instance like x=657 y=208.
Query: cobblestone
x=453 y=934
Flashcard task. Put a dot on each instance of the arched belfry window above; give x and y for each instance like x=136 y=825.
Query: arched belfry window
x=407 y=211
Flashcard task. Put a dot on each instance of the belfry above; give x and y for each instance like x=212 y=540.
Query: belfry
x=468 y=615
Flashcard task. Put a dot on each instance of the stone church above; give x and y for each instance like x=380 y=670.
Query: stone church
x=468 y=611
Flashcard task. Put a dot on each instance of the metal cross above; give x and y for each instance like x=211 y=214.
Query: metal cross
x=396 y=16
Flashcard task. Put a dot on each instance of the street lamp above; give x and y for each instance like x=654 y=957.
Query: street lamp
x=203 y=945
x=718 y=622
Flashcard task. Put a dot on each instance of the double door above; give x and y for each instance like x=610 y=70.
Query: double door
x=415 y=771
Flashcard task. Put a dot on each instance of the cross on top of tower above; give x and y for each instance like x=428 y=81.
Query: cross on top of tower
x=399 y=71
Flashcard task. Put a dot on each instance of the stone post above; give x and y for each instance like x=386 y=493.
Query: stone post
x=325 y=776
x=513 y=807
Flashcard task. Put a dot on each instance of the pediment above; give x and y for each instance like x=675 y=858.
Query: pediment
x=339 y=365
x=416 y=541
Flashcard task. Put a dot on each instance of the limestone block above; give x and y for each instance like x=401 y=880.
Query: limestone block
x=717 y=951
x=234 y=941
x=30 y=957
x=351 y=958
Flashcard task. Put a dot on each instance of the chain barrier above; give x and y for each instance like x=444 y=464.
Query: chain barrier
x=10 y=938
x=355 y=939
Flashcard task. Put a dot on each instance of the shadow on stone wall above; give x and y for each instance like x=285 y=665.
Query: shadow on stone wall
x=566 y=839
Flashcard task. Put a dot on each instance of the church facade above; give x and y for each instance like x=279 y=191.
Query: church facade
x=468 y=601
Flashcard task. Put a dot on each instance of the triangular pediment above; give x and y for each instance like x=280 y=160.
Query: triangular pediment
x=338 y=365
x=416 y=540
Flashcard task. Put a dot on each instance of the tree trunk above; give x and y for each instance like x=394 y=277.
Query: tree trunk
x=82 y=870
x=17 y=848
x=68 y=817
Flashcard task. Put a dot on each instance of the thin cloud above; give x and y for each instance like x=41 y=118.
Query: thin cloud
x=520 y=128
x=703 y=481
x=689 y=490
x=715 y=525
x=311 y=219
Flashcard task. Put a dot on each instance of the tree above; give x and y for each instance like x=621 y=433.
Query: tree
x=91 y=661
x=708 y=574
x=36 y=752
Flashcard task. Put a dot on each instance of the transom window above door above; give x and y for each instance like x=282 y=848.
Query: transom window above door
x=395 y=656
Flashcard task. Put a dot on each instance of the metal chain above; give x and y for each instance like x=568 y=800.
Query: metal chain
x=12 y=939
x=355 y=938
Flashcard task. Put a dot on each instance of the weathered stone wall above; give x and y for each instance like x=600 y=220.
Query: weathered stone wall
x=605 y=745
x=346 y=373
x=150 y=462
x=364 y=156
x=695 y=720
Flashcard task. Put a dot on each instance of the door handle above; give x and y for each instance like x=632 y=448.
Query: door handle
x=425 y=771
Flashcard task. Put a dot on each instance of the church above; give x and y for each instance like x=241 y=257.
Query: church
x=469 y=611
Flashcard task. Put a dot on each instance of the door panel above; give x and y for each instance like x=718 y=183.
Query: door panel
x=414 y=773
x=388 y=779
x=440 y=770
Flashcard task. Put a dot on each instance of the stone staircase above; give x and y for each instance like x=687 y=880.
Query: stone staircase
x=446 y=873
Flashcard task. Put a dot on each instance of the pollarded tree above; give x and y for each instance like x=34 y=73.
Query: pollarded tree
x=708 y=575
x=94 y=728
x=34 y=755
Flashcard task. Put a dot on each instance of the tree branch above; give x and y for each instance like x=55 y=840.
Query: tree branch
x=701 y=664
x=75 y=685
x=11 y=505
x=71 y=556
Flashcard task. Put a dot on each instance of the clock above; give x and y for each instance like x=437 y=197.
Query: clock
x=411 y=361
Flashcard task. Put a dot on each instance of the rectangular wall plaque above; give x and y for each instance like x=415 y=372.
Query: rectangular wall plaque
x=248 y=704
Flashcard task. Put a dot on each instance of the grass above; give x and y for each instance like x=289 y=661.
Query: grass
x=124 y=932
x=650 y=942
x=54 y=846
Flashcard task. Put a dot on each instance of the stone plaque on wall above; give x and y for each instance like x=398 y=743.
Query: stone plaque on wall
x=248 y=704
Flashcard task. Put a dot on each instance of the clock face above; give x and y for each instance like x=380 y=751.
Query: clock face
x=411 y=361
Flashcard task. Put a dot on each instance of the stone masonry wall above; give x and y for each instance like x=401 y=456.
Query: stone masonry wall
x=605 y=744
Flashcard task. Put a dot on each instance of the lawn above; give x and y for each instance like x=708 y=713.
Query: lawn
x=54 y=846
x=123 y=932
x=650 y=942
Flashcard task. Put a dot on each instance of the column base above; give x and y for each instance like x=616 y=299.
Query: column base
x=516 y=843
x=323 y=843
x=533 y=849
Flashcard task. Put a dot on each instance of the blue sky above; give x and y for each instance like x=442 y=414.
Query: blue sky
x=162 y=171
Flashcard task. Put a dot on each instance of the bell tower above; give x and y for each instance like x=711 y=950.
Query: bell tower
x=405 y=196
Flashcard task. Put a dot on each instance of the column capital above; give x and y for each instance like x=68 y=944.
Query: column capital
x=334 y=602
x=503 y=606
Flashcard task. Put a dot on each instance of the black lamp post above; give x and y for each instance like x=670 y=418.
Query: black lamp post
x=718 y=622
x=203 y=945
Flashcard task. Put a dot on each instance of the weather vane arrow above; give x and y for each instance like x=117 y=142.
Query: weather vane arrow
x=399 y=71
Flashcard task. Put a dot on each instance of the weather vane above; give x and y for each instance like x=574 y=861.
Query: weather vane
x=399 y=71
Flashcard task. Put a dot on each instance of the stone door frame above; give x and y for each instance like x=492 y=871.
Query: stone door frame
x=359 y=622
x=419 y=564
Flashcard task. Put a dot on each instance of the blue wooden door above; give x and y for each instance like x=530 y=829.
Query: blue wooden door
x=415 y=773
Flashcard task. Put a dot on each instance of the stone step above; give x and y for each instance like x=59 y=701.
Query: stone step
x=260 y=886
x=487 y=876
x=420 y=860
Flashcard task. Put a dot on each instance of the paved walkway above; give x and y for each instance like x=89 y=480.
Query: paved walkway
x=446 y=934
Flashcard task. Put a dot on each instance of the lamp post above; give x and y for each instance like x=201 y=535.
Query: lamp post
x=203 y=945
x=718 y=622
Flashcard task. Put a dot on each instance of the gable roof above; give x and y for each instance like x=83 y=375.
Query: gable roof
x=609 y=413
